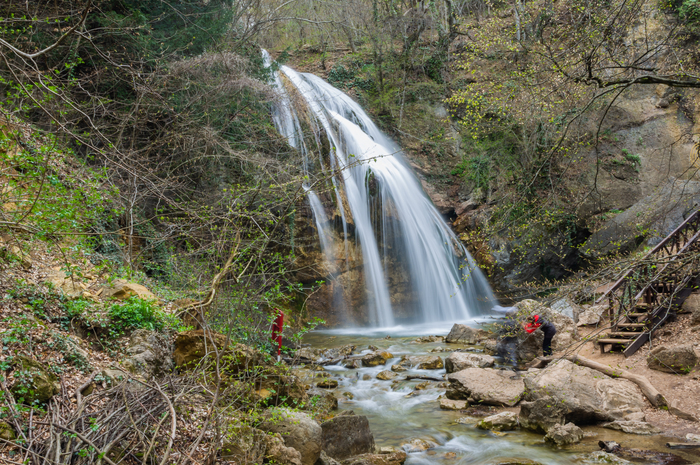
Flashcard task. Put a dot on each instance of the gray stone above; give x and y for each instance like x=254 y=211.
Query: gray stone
x=486 y=386
x=465 y=335
x=386 y=375
x=591 y=315
x=563 y=435
x=632 y=427
x=277 y=452
x=567 y=308
x=244 y=445
x=504 y=421
x=457 y=361
x=149 y=354
x=298 y=430
x=346 y=436
x=564 y=392
x=398 y=368
x=418 y=445
x=449 y=404
x=679 y=359
x=325 y=459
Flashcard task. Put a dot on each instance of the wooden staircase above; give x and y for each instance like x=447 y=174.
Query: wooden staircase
x=650 y=293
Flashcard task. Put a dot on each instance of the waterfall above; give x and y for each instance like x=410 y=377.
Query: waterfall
x=387 y=204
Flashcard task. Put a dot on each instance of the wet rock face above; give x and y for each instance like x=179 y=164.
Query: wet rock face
x=486 y=386
x=298 y=430
x=458 y=361
x=680 y=359
x=632 y=427
x=564 y=392
x=346 y=436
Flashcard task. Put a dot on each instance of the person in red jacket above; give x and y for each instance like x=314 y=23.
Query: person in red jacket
x=276 y=332
x=534 y=322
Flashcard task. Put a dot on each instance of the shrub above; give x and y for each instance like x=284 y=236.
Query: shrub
x=136 y=313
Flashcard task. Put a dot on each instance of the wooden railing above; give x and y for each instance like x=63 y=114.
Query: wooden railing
x=672 y=245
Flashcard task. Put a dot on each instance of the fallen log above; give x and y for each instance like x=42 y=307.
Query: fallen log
x=424 y=378
x=654 y=396
x=683 y=445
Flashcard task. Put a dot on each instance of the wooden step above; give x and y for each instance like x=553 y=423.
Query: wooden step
x=614 y=341
x=631 y=325
x=624 y=334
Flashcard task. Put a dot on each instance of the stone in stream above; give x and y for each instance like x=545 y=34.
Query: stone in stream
x=396 y=458
x=398 y=368
x=424 y=339
x=564 y=392
x=563 y=435
x=486 y=386
x=422 y=362
x=352 y=364
x=466 y=335
x=327 y=383
x=632 y=427
x=322 y=400
x=418 y=445
x=458 y=361
x=386 y=375
x=376 y=358
x=504 y=421
x=298 y=431
x=347 y=436
x=680 y=359
x=449 y=404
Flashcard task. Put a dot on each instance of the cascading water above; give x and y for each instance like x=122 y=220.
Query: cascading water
x=385 y=200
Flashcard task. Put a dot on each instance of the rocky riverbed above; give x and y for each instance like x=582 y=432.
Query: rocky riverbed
x=401 y=385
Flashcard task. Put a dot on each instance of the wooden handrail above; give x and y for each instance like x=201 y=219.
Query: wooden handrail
x=655 y=250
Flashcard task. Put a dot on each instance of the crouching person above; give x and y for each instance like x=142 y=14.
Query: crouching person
x=535 y=322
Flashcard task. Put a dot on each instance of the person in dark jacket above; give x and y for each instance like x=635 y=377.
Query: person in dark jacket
x=535 y=322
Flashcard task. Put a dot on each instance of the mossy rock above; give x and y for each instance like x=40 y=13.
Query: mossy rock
x=34 y=382
x=7 y=432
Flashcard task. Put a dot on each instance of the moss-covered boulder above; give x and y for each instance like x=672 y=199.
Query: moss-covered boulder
x=7 y=432
x=33 y=382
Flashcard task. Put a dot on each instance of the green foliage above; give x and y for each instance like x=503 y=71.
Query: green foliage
x=689 y=13
x=136 y=313
x=475 y=169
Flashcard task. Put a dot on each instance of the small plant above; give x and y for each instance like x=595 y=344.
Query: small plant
x=137 y=313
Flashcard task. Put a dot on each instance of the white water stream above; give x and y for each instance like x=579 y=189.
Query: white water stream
x=446 y=281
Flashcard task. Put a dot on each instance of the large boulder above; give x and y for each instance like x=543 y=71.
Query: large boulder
x=322 y=400
x=422 y=362
x=504 y=421
x=564 y=392
x=122 y=290
x=458 y=361
x=679 y=359
x=465 y=335
x=33 y=381
x=346 y=436
x=298 y=430
x=277 y=452
x=567 y=308
x=191 y=347
x=148 y=354
x=394 y=458
x=244 y=444
x=486 y=386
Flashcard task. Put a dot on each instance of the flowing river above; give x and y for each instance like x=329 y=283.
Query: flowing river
x=398 y=412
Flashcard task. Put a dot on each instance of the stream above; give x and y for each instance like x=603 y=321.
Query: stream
x=397 y=412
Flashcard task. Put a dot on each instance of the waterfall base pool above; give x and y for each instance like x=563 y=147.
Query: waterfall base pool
x=397 y=412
